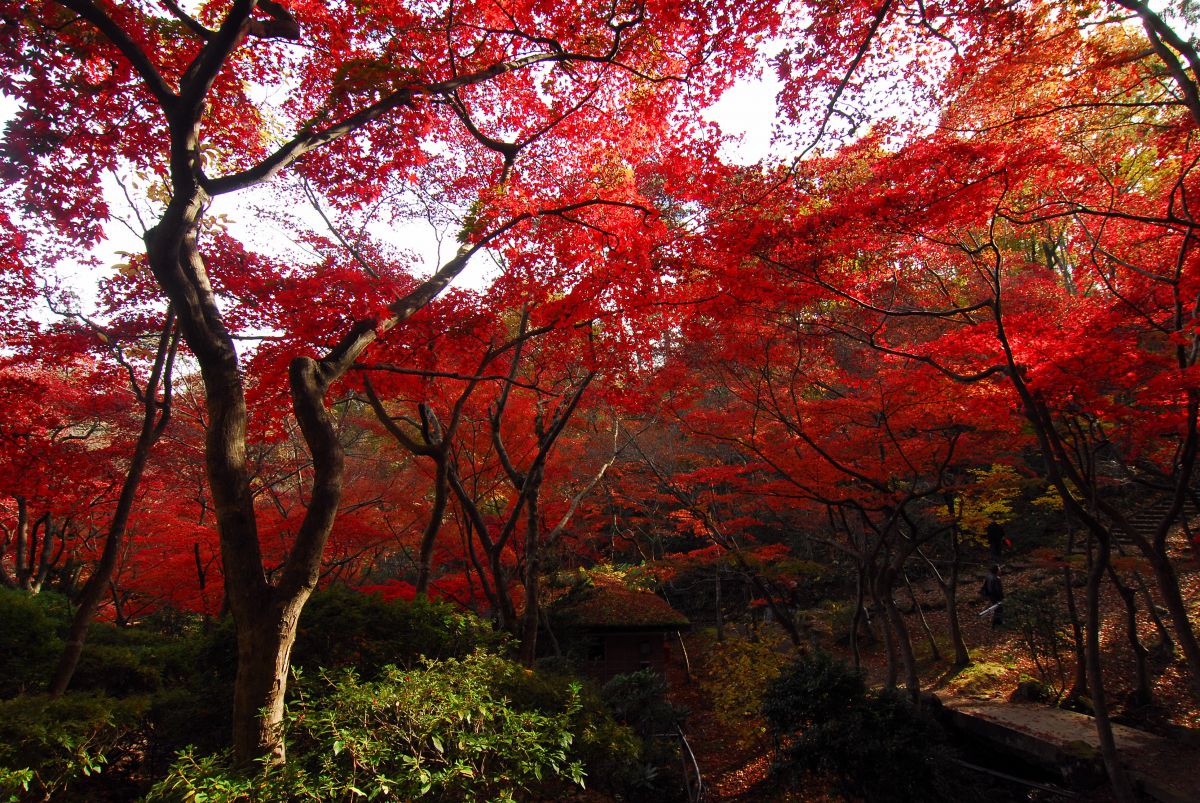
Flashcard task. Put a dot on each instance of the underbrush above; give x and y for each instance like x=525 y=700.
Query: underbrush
x=441 y=732
x=393 y=700
x=872 y=745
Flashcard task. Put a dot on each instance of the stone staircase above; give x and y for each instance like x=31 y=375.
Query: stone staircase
x=1145 y=520
x=1144 y=515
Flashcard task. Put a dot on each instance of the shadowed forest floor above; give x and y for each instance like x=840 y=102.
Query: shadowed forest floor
x=735 y=756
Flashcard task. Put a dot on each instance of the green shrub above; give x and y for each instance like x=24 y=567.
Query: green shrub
x=64 y=748
x=439 y=732
x=182 y=678
x=194 y=706
x=1037 y=612
x=31 y=629
x=813 y=688
x=875 y=746
x=639 y=700
x=339 y=629
x=116 y=661
x=344 y=628
x=115 y=670
x=612 y=755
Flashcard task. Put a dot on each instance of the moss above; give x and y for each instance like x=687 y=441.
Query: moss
x=979 y=679
x=1080 y=750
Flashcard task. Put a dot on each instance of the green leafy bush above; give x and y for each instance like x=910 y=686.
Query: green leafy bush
x=344 y=628
x=31 y=628
x=439 y=732
x=612 y=755
x=178 y=683
x=1037 y=611
x=339 y=629
x=116 y=670
x=875 y=746
x=812 y=689
x=116 y=661
x=639 y=701
x=62 y=749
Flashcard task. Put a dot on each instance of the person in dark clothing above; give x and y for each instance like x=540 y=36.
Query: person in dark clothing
x=996 y=541
x=993 y=591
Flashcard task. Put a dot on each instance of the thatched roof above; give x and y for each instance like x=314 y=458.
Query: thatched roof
x=605 y=603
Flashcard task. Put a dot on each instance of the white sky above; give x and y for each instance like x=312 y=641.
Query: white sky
x=747 y=110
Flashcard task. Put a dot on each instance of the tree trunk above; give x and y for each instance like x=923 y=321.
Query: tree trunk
x=1193 y=539
x=498 y=592
x=908 y=660
x=441 y=490
x=154 y=420
x=934 y=652
x=1122 y=790
x=783 y=616
x=265 y=642
x=720 y=618
x=529 y=623
x=1168 y=586
x=33 y=562
x=47 y=558
x=884 y=591
x=265 y=615
x=859 y=610
x=506 y=614
x=889 y=645
x=1166 y=644
x=1079 y=686
x=97 y=583
x=1142 y=688
x=17 y=536
x=889 y=639
x=962 y=656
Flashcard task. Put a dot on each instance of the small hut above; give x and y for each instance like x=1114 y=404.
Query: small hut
x=611 y=629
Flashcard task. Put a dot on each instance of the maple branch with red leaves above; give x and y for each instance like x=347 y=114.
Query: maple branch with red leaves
x=146 y=69
x=188 y=20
